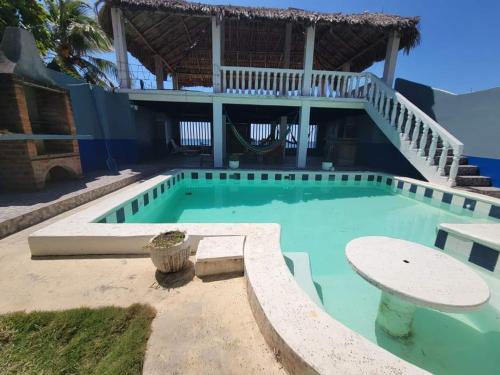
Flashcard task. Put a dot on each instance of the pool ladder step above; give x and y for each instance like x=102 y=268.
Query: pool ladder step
x=300 y=267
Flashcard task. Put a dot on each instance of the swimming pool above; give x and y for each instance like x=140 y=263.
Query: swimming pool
x=320 y=216
x=318 y=212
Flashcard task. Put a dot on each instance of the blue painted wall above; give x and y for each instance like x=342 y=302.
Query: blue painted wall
x=473 y=118
x=108 y=118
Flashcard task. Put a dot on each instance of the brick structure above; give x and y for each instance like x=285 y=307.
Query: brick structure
x=28 y=108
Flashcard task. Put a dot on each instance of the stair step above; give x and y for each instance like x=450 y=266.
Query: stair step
x=473 y=181
x=439 y=151
x=464 y=170
x=463 y=160
x=485 y=190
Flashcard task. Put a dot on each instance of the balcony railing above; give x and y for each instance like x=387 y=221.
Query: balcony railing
x=293 y=82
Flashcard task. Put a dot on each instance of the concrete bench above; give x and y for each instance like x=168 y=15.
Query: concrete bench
x=219 y=255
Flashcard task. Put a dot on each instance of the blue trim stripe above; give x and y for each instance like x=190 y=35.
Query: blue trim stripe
x=469 y=204
x=483 y=256
x=428 y=192
x=447 y=197
x=400 y=185
x=413 y=188
x=120 y=215
x=441 y=238
x=135 y=206
x=495 y=212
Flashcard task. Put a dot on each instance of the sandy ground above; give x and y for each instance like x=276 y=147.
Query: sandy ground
x=202 y=327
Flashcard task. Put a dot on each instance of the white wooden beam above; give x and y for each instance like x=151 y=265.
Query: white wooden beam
x=120 y=46
x=308 y=60
x=391 y=56
x=218 y=134
x=216 y=55
x=159 y=72
x=305 y=113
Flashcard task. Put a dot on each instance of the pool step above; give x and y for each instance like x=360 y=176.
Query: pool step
x=219 y=255
x=299 y=266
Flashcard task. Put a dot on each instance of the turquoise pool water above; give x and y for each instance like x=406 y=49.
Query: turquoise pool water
x=320 y=220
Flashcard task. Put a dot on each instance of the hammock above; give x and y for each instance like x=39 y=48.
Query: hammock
x=259 y=149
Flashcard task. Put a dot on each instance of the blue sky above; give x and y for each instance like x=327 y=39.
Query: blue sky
x=460 y=43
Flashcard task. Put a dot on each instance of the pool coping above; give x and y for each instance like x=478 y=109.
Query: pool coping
x=315 y=342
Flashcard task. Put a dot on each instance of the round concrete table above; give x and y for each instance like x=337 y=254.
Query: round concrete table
x=410 y=274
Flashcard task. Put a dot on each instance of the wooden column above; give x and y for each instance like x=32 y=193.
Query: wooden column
x=346 y=67
x=288 y=46
x=391 y=56
x=216 y=54
x=159 y=72
x=308 y=60
x=120 y=45
x=218 y=134
x=305 y=113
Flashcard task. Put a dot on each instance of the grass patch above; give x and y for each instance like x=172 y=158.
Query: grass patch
x=108 y=340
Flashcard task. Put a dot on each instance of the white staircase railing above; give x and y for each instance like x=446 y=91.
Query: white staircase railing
x=421 y=133
x=416 y=134
x=261 y=81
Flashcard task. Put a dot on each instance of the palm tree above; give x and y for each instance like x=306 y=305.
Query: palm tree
x=76 y=39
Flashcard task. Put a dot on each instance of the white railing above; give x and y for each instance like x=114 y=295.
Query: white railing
x=332 y=84
x=422 y=133
x=261 y=81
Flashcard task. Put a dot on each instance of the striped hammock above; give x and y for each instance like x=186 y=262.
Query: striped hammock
x=259 y=149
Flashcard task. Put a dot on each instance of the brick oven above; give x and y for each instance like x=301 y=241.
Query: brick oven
x=37 y=132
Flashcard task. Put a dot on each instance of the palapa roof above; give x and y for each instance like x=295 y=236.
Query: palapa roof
x=180 y=32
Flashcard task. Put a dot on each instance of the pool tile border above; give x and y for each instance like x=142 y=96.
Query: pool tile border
x=468 y=250
x=445 y=198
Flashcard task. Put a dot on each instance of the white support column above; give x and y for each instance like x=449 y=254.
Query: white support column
x=283 y=128
x=218 y=134
x=175 y=82
x=159 y=72
x=288 y=46
x=391 y=56
x=224 y=138
x=305 y=112
x=216 y=54
x=120 y=46
x=308 y=60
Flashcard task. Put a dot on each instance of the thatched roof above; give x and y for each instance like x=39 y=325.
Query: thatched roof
x=180 y=32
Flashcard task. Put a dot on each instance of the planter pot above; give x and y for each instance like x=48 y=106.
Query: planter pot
x=327 y=166
x=234 y=164
x=172 y=258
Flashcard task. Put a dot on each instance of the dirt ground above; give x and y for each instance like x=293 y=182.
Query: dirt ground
x=202 y=327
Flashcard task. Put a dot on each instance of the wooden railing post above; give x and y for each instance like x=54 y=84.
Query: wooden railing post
x=120 y=46
x=216 y=55
x=308 y=60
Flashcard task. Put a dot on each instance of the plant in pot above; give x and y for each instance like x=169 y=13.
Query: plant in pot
x=169 y=251
x=234 y=161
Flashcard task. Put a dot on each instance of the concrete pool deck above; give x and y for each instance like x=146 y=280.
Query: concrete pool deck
x=196 y=329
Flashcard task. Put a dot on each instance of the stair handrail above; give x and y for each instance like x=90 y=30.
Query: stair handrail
x=388 y=101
